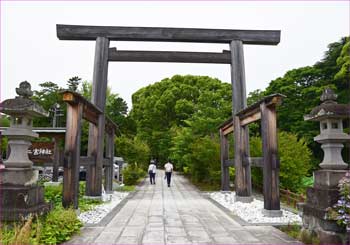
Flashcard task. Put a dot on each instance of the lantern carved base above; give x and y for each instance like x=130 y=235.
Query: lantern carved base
x=322 y=195
x=21 y=177
x=18 y=202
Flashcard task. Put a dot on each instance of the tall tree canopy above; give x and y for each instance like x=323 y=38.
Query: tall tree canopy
x=199 y=102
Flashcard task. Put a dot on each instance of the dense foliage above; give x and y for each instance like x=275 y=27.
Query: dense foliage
x=196 y=102
x=53 y=194
x=178 y=118
x=55 y=227
x=303 y=88
x=133 y=150
x=132 y=174
x=295 y=161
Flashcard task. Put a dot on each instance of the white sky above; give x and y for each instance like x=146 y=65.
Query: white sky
x=31 y=51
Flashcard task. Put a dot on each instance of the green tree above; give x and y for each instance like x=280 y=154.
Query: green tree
x=134 y=151
x=343 y=61
x=47 y=97
x=73 y=83
x=205 y=160
x=303 y=88
x=198 y=102
x=116 y=108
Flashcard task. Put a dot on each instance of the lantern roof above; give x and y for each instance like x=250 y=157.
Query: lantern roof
x=22 y=105
x=329 y=108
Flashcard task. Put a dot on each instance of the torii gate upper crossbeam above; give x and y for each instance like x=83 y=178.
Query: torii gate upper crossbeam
x=166 y=34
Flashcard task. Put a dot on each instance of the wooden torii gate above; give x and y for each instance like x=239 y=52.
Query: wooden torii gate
x=79 y=108
x=264 y=110
x=103 y=54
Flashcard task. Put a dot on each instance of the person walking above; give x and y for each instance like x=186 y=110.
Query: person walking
x=168 y=171
x=152 y=168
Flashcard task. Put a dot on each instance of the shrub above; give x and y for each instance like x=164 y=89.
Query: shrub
x=132 y=173
x=58 y=226
x=53 y=194
x=133 y=150
x=205 y=160
x=54 y=228
x=86 y=204
x=295 y=159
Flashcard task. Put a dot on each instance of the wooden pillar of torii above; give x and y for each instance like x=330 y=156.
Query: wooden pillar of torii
x=79 y=108
x=98 y=98
x=103 y=34
x=264 y=110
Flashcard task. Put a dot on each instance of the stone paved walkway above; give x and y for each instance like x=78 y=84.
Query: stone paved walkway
x=157 y=214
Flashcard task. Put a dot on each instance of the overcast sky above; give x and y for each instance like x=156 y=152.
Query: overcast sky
x=31 y=51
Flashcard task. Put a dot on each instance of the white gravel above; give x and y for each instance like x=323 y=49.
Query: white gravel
x=100 y=211
x=252 y=212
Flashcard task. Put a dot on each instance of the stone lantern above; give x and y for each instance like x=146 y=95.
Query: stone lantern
x=324 y=193
x=20 y=194
x=330 y=114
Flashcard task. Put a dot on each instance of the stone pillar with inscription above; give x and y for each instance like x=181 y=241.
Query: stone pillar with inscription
x=325 y=192
x=20 y=194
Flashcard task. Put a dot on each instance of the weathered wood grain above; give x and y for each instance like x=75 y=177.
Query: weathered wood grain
x=224 y=154
x=250 y=119
x=169 y=56
x=72 y=156
x=90 y=111
x=270 y=157
x=239 y=99
x=241 y=136
x=96 y=132
x=109 y=169
x=88 y=161
x=253 y=161
x=229 y=162
x=240 y=185
x=245 y=152
x=56 y=160
x=166 y=34
x=228 y=130
x=256 y=162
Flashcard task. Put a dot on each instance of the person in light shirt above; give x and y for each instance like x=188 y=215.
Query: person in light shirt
x=168 y=167
x=152 y=168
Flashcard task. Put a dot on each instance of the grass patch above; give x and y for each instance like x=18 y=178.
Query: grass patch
x=206 y=186
x=292 y=230
x=55 y=227
x=296 y=232
x=86 y=204
x=125 y=188
x=54 y=194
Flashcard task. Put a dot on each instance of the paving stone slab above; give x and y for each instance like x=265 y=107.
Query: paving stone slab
x=128 y=240
x=156 y=214
x=132 y=231
x=177 y=240
x=107 y=238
